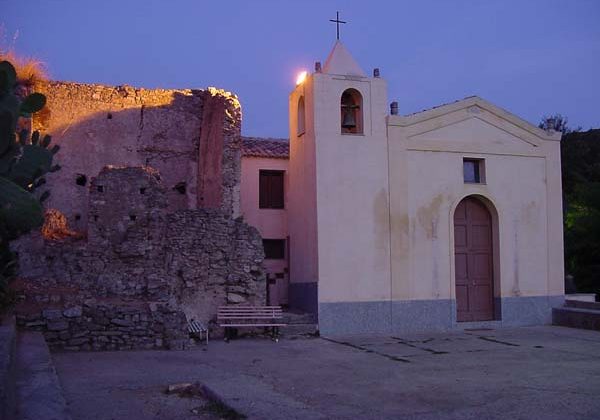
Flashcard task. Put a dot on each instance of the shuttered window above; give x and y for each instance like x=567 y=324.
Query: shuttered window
x=270 y=189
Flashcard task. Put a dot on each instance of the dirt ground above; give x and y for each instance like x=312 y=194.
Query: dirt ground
x=519 y=373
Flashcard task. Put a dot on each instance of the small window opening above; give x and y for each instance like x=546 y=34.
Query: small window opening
x=474 y=171
x=132 y=217
x=100 y=188
x=274 y=249
x=78 y=217
x=180 y=187
x=351 y=112
x=81 y=179
x=95 y=217
x=143 y=190
x=301 y=117
x=109 y=116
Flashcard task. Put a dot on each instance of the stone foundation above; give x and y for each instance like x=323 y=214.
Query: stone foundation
x=423 y=316
x=110 y=326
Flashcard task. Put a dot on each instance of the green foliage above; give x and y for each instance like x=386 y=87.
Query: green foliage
x=32 y=103
x=580 y=154
x=19 y=210
x=555 y=122
x=24 y=161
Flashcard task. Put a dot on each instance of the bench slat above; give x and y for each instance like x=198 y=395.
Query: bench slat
x=248 y=306
x=253 y=325
x=250 y=316
x=250 y=312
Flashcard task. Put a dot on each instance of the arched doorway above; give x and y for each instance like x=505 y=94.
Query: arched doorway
x=474 y=265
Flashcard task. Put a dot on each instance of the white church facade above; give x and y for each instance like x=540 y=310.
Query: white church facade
x=442 y=219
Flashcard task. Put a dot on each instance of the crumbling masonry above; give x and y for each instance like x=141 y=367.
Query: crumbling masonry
x=150 y=187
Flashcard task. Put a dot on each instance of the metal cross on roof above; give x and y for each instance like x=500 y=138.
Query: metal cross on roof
x=337 y=22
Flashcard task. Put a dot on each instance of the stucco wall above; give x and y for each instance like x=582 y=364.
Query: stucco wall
x=271 y=223
x=352 y=193
x=518 y=165
x=302 y=214
x=522 y=190
x=385 y=203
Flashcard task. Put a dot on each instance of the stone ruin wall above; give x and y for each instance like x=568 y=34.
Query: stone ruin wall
x=192 y=137
x=159 y=241
x=141 y=270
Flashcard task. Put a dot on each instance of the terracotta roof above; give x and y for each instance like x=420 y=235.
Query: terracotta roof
x=265 y=147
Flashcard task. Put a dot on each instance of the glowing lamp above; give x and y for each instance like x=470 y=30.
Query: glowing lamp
x=301 y=77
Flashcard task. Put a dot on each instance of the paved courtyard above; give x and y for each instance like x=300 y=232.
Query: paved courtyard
x=520 y=373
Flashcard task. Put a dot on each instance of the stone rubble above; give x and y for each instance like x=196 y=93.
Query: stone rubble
x=141 y=270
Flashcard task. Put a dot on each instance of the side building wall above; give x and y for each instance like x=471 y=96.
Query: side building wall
x=271 y=223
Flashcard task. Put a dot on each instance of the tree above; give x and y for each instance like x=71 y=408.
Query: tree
x=580 y=163
x=555 y=122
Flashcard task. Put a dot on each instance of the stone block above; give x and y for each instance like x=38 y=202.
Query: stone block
x=57 y=325
x=121 y=322
x=235 y=298
x=52 y=313
x=78 y=341
x=73 y=312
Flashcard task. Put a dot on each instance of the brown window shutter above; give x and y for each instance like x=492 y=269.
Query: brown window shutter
x=271 y=194
x=263 y=190
x=277 y=190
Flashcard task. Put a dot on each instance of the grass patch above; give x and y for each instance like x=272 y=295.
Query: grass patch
x=29 y=69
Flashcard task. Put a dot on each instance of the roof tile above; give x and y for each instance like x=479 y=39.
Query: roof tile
x=265 y=147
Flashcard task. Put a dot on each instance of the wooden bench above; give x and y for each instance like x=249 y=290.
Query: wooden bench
x=196 y=328
x=250 y=316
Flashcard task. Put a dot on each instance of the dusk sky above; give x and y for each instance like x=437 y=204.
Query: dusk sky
x=530 y=57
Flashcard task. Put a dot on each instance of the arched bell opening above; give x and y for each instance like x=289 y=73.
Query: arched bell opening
x=351 y=112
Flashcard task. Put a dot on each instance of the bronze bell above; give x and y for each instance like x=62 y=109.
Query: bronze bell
x=349 y=121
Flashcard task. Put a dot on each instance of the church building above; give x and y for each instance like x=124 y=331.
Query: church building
x=377 y=222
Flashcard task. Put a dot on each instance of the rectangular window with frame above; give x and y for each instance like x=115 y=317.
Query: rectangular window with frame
x=274 y=249
x=270 y=189
x=474 y=171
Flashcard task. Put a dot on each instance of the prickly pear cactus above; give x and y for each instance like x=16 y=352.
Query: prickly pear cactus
x=24 y=160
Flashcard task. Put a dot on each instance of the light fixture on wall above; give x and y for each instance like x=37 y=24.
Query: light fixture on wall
x=301 y=77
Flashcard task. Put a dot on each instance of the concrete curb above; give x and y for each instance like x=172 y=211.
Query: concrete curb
x=255 y=399
x=39 y=394
x=8 y=346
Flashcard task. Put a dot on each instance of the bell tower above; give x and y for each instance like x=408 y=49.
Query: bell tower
x=339 y=198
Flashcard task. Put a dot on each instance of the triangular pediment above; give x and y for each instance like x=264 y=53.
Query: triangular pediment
x=473 y=132
x=472 y=125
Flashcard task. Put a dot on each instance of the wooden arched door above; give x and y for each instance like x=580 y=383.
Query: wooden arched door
x=473 y=258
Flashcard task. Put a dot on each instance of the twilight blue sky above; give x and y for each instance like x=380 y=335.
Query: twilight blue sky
x=531 y=57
